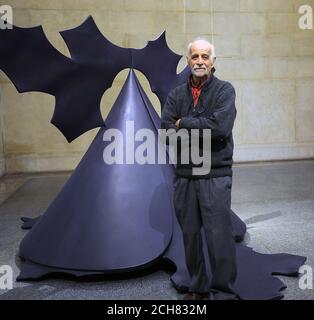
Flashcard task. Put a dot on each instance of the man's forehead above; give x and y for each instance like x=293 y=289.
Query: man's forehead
x=201 y=45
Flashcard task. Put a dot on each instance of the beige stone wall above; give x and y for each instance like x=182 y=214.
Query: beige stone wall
x=2 y=163
x=260 y=50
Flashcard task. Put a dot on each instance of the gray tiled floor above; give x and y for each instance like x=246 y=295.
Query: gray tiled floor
x=275 y=200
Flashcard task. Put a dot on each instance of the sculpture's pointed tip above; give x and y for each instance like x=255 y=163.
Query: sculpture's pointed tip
x=88 y=21
x=162 y=37
x=131 y=75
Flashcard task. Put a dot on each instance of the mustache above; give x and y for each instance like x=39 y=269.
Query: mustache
x=199 y=68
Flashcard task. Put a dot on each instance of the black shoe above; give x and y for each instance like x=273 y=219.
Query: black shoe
x=220 y=295
x=195 y=296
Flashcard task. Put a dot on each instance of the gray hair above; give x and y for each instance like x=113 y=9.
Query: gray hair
x=212 y=56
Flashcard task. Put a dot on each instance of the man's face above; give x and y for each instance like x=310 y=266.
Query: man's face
x=199 y=59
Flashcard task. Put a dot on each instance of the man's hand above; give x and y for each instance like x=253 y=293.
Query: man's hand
x=177 y=124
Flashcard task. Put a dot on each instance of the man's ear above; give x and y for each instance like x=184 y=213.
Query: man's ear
x=213 y=62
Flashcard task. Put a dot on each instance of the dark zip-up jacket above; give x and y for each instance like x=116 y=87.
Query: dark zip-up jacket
x=215 y=110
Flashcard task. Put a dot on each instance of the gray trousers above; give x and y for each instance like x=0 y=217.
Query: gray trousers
x=207 y=202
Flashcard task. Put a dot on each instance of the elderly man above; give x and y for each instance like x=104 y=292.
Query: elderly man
x=205 y=102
